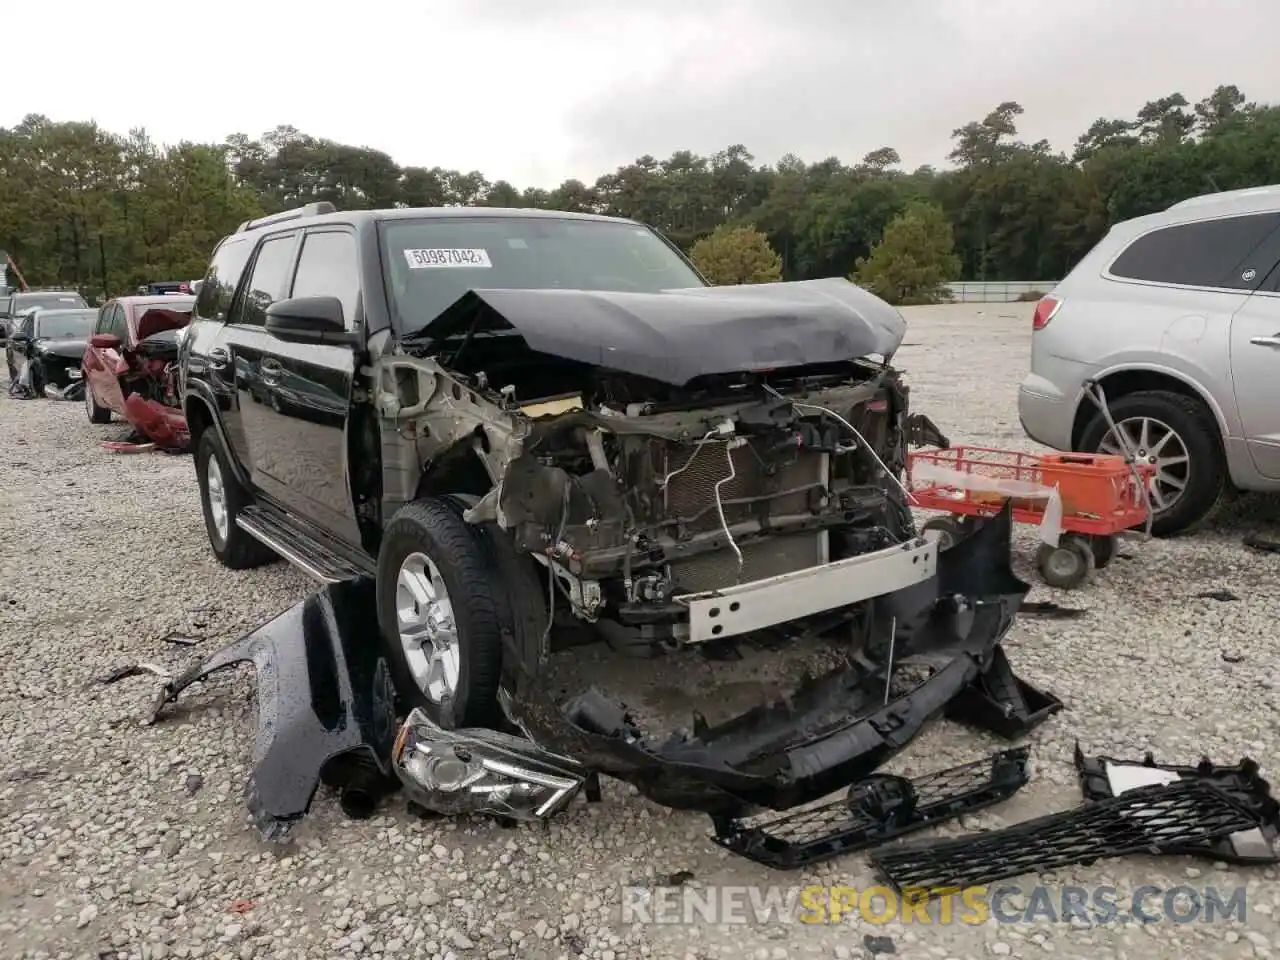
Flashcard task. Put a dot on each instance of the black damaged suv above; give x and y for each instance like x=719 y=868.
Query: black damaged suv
x=491 y=411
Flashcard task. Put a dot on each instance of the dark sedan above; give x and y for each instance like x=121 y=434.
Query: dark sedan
x=53 y=342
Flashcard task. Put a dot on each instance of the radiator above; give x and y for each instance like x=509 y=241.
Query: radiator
x=764 y=558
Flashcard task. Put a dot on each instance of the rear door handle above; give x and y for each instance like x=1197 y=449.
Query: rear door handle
x=219 y=357
x=272 y=367
x=1266 y=341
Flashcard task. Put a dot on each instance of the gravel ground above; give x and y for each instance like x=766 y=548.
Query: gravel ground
x=118 y=840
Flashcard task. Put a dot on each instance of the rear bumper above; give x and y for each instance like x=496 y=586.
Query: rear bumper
x=732 y=611
x=1046 y=414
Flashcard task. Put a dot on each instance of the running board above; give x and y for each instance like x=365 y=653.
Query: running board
x=306 y=552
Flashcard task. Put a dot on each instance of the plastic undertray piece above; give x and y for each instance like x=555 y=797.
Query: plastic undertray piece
x=1159 y=819
x=1104 y=777
x=1001 y=702
x=878 y=808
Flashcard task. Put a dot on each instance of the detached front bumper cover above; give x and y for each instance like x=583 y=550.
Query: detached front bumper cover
x=834 y=729
x=325 y=707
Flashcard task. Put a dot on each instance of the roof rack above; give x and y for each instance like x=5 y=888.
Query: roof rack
x=310 y=210
x=1208 y=199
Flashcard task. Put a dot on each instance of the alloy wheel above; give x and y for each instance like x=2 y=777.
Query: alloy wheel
x=217 y=491
x=1154 y=442
x=428 y=630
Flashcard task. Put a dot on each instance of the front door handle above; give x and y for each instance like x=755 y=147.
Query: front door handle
x=219 y=357
x=1266 y=341
x=272 y=367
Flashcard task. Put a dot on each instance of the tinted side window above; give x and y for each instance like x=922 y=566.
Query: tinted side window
x=268 y=281
x=328 y=267
x=214 y=301
x=1209 y=253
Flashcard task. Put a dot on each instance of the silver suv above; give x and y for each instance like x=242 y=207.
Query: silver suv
x=1177 y=316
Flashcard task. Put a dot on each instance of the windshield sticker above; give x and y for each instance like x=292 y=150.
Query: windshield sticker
x=439 y=258
x=517 y=243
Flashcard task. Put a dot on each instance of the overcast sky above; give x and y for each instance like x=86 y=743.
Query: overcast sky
x=535 y=91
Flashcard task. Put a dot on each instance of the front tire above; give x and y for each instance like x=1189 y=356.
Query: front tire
x=221 y=499
x=37 y=378
x=1178 y=435
x=95 y=413
x=440 y=614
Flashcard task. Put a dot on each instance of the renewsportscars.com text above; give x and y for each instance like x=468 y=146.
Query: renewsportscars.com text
x=970 y=906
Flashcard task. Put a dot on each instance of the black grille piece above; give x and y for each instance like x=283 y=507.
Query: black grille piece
x=1242 y=782
x=874 y=810
x=1155 y=820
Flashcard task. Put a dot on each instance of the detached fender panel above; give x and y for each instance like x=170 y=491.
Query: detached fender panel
x=325 y=705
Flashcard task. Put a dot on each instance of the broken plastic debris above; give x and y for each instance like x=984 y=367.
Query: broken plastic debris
x=135 y=670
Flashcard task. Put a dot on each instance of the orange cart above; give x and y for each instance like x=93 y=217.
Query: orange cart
x=1101 y=495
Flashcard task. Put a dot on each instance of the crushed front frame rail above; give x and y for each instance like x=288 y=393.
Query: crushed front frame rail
x=1154 y=820
x=874 y=810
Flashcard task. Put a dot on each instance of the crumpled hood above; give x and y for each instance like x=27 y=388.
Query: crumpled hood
x=67 y=349
x=677 y=335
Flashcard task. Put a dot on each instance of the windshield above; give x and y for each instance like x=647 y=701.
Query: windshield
x=434 y=261
x=65 y=325
x=52 y=301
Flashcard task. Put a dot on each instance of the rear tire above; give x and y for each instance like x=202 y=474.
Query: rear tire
x=441 y=613
x=221 y=503
x=96 y=413
x=1205 y=470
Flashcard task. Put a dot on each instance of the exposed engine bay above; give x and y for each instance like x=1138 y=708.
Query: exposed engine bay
x=643 y=492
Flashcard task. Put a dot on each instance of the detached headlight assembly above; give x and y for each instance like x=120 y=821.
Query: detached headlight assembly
x=482 y=771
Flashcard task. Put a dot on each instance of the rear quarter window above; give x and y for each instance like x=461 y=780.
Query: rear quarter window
x=219 y=287
x=1206 y=253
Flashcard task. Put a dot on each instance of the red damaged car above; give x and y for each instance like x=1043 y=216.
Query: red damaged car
x=130 y=366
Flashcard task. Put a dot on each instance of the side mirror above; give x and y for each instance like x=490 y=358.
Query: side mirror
x=309 y=320
x=105 y=341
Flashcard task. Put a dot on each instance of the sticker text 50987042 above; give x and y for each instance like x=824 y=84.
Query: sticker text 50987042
x=439 y=257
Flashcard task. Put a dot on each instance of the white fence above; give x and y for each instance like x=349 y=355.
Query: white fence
x=997 y=291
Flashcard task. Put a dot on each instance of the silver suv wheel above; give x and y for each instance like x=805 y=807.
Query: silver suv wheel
x=1155 y=442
